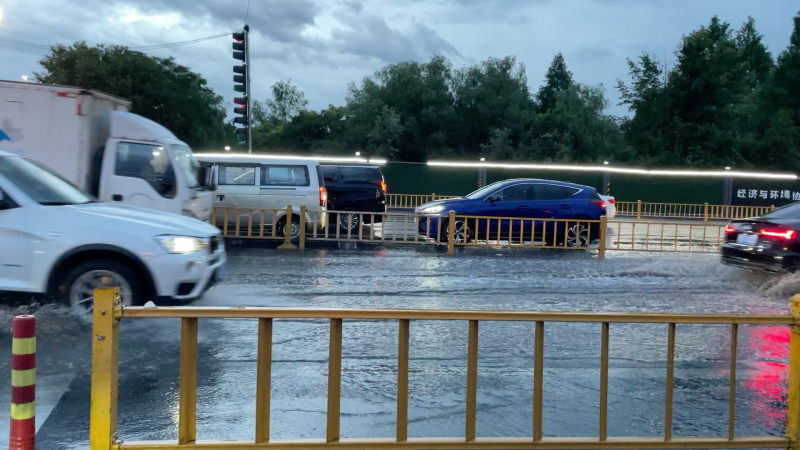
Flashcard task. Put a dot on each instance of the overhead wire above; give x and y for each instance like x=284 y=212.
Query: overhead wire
x=140 y=48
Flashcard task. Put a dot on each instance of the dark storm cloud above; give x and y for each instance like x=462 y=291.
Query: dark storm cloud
x=281 y=20
x=374 y=38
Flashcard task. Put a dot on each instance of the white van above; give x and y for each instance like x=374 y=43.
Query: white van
x=255 y=182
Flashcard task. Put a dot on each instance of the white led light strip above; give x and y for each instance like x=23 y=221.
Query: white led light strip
x=378 y=161
x=605 y=168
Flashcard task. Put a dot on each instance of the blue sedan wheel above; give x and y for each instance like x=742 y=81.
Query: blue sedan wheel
x=578 y=236
x=463 y=233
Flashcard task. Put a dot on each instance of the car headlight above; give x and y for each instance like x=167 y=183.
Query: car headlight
x=182 y=244
x=433 y=210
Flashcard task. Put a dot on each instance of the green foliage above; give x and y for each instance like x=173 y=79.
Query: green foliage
x=159 y=88
x=558 y=79
x=725 y=103
x=286 y=102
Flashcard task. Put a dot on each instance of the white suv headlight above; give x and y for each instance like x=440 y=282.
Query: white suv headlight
x=182 y=244
x=433 y=210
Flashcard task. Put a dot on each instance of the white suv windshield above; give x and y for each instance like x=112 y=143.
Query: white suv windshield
x=187 y=164
x=40 y=183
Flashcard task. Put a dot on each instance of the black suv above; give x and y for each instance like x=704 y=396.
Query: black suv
x=355 y=188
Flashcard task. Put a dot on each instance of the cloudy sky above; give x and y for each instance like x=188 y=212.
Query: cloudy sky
x=324 y=44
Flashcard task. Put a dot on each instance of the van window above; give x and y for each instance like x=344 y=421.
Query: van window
x=149 y=163
x=236 y=175
x=351 y=174
x=329 y=173
x=284 y=176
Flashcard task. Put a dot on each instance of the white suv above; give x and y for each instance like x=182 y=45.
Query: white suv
x=56 y=240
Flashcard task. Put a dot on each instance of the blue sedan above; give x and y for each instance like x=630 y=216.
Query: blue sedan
x=523 y=207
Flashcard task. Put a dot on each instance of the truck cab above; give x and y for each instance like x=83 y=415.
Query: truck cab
x=144 y=164
x=92 y=140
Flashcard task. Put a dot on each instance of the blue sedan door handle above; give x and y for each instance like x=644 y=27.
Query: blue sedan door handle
x=522 y=208
x=566 y=206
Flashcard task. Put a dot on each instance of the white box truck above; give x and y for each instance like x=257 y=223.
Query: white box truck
x=91 y=140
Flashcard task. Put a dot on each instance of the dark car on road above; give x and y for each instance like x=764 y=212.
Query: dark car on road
x=769 y=242
x=522 y=199
x=355 y=188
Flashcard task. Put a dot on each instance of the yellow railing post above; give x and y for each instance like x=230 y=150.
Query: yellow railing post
x=105 y=366
x=302 y=228
x=287 y=231
x=451 y=234
x=638 y=210
x=793 y=420
x=601 y=246
x=705 y=213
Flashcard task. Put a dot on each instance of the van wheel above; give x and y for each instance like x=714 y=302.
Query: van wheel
x=348 y=221
x=76 y=289
x=295 y=228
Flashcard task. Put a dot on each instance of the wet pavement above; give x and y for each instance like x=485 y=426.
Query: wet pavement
x=426 y=278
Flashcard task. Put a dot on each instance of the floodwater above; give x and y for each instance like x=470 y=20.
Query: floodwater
x=425 y=278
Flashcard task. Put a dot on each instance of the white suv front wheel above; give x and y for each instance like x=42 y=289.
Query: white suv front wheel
x=77 y=288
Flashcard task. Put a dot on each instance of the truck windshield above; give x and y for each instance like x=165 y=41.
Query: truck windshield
x=187 y=164
x=40 y=183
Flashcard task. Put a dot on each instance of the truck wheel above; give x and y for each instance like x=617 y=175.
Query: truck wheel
x=295 y=228
x=76 y=290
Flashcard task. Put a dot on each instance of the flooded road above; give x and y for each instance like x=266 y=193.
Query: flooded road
x=423 y=278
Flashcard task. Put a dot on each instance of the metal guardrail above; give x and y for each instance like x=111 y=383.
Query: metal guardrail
x=471 y=231
x=704 y=211
x=664 y=237
x=413 y=200
x=108 y=313
x=412 y=228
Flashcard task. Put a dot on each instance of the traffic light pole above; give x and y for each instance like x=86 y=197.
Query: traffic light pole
x=249 y=92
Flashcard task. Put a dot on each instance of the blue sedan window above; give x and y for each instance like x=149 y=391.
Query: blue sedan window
x=516 y=193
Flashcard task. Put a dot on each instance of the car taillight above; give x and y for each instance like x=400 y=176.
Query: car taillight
x=730 y=228
x=383 y=186
x=783 y=234
x=612 y=201
x=599 y=203
x=323 y=196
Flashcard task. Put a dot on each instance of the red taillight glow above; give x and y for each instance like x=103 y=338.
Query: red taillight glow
x=783 y=234
x=730 y=228
x=323 y=196
x=383 y=186
x=599 y=203
x=612 y=201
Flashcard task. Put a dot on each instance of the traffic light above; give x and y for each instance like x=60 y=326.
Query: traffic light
x=241 y=133
x=241 y=79
x=240 y=54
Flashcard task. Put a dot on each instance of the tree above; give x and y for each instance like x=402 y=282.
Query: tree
x=557 y=79
x=159 y=88
x=286 y=102
x=491 y=95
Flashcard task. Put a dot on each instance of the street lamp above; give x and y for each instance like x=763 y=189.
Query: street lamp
x=605 y=162
x=727 y=167
x=358 y=153
x=483 y=159
x=227 y=148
